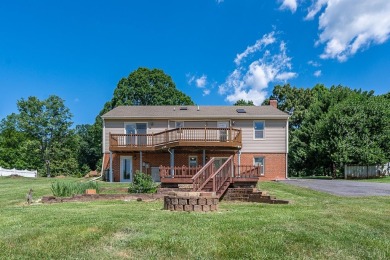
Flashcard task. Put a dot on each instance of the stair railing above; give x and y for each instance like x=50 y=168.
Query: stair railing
x=224 y=172
x=201 y=178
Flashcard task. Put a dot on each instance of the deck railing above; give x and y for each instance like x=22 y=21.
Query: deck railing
x=178 y=171
x=200 y=179
x=248 y=171
x=175 y=136
x=200 y=174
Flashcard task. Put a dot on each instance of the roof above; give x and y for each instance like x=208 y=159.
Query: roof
x=195 y=112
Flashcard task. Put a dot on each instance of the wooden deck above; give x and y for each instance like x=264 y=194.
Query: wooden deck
x=178 y=137
x=208 y=177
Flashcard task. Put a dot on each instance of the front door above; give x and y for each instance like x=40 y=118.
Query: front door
x=126 y=169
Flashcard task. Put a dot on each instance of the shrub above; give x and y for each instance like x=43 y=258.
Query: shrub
x=68 y=189
x=142 y=184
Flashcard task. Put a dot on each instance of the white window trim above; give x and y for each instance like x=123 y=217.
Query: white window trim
x=253 y=127
x=254 y=162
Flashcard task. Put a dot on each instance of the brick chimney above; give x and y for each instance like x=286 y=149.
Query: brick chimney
x=273 y=102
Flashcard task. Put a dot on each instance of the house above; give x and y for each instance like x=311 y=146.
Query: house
x=194 y=144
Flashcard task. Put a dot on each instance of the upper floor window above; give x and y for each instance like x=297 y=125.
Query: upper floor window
x=179 y=124
x=258 y=129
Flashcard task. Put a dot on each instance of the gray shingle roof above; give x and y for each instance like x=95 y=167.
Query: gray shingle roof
x=192 y=112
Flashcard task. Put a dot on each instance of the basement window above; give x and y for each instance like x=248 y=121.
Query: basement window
x=183 y=108
x=259 y=161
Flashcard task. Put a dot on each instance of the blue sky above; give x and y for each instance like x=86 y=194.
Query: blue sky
x=215 y=51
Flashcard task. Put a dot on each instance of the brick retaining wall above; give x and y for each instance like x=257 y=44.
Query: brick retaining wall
x=191 y=201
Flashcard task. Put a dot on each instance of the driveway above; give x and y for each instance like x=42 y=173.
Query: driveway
x=343 y=187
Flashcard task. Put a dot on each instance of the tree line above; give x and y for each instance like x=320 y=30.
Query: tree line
x=329 y=127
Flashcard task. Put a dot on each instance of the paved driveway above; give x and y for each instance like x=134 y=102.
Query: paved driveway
x=343 y=187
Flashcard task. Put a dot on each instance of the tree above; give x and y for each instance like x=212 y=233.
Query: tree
x=14 y=145
x=334 y=126
x=47 y=123
x=88 y=154
x=143 y=86
x=243 y=102
x=149 y=88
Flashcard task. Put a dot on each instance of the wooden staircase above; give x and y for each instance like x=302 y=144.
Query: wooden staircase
x=209 y=179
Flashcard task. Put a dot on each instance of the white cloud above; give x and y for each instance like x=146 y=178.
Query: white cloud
x=317 y=73
x=190 y=78
x=289 y=4
x=250 y=81
x=314 y=63
x=349 y=26
x=201 y=82
x=264 y=41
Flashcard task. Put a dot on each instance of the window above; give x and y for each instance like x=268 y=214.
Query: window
x=259 y=161
x=193 y=161
x=258 y=127
x=179 y=124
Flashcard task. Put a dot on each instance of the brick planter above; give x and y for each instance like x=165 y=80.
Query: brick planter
x=191 y=201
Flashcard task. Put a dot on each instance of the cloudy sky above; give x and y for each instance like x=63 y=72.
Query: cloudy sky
x=216 y=51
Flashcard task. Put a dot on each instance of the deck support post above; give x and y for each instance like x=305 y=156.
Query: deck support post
x=204 y=157
x=111 y=177
x=172 y=161
x=140 y=161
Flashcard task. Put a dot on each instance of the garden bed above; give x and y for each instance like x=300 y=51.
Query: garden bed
x=93 y=197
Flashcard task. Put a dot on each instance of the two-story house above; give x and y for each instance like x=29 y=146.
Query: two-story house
x=175 y=143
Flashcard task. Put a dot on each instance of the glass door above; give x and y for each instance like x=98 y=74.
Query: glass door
x=126 y=169
x=136 y=129
x=223 y=132
x=218 y=161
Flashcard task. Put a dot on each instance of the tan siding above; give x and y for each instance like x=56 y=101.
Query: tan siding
x=158 y=126
x=113 y=127
x=195 y=124
x=274 y=136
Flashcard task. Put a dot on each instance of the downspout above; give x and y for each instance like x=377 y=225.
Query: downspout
x=103 y=148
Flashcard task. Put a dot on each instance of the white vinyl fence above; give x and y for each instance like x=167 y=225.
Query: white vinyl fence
x=24 y=173
x=365 y=172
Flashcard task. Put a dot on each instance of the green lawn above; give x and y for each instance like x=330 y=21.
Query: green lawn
x=314 y=226
x=382 y=180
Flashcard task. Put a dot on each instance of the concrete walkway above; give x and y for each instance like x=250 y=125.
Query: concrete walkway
x=343 y=187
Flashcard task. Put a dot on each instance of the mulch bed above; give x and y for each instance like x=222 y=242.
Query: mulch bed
x=93 y=197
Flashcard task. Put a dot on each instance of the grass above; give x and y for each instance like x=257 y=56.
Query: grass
x=314 y=226
x=385 y=179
